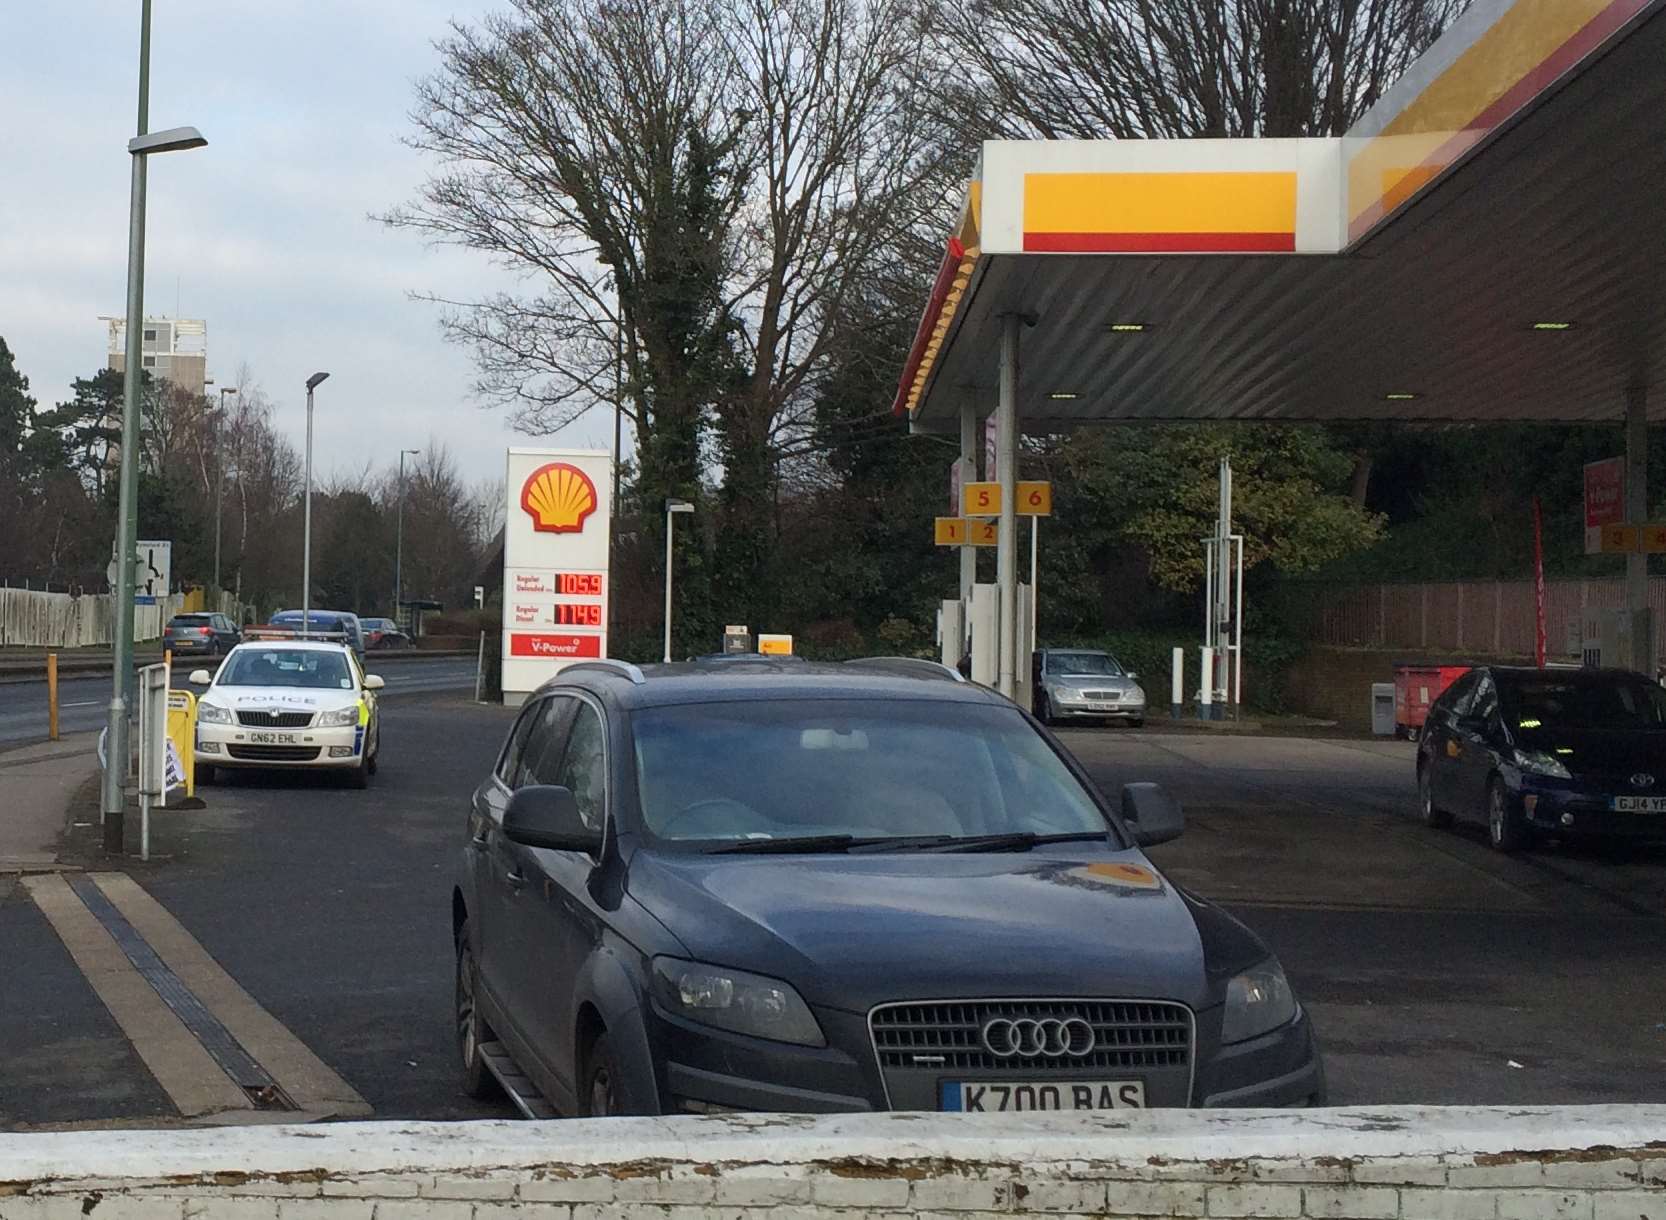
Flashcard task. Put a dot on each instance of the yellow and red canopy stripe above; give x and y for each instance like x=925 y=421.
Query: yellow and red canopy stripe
x=1211 y=212
x=1523 y=53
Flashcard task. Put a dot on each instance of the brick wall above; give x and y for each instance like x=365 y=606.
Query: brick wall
x=1335 y=683
x=1581 y=1163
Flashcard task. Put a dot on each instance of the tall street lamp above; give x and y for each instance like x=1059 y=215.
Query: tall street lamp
x=672 y=508
x=113 y=795
x=219 y=478
x=306 y=516
x=399 y=537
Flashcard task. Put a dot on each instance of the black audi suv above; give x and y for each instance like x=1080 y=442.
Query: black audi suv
x=805 y=887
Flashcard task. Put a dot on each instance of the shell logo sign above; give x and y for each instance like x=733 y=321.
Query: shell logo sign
x=558 y=497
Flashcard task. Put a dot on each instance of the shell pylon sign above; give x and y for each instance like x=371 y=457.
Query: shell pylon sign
x=556 y=582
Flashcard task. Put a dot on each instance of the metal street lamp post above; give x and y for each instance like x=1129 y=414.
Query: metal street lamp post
x=113 y=795
x=672 y=508
x=399 y=538
x=306 y=517
x=219 y=479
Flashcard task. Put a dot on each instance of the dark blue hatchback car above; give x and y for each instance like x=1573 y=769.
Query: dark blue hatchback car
x=800 y=887
x=1535 y=753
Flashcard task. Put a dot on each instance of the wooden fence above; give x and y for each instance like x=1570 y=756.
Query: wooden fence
x=30 y=618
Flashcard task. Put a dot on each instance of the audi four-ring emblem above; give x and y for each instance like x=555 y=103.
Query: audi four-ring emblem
x=1038 y=1037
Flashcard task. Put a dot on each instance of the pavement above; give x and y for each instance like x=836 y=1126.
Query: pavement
x=39 y=783
x=1436 y=971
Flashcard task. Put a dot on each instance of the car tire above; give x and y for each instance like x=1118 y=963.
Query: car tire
x=1138 y=723
x=599 y=1097
x=375 y=760
x=359 y=776
x=1505 y=831
x=204 y=776
x=472 y=1030
x=1044 y=711
x=1439 y=819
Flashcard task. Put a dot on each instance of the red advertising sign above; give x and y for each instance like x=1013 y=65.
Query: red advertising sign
x=1605 y=499
x=551 y=646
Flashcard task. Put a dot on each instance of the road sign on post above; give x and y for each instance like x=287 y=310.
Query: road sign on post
x=152 y=571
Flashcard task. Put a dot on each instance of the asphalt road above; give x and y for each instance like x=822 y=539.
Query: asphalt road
x=1436 y=971
x=83 y=701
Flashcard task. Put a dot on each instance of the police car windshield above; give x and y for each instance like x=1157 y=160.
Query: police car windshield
x=312 y=668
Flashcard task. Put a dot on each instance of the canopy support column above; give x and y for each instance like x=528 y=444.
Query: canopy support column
x=968 y=472
x=1006 y=537
x=1637 y=512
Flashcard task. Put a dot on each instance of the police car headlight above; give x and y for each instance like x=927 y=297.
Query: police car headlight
x=1257 y=1001
x=339 y=719
x=207 y=713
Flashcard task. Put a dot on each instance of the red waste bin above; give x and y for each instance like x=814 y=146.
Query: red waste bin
x=1417 y=684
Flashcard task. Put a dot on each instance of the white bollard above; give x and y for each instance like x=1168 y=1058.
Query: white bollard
x=1206 y=686
x=1177 y=686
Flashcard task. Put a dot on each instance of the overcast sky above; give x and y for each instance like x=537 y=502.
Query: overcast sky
x=264 y=233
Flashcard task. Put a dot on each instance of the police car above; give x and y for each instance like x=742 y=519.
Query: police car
x=279 y=700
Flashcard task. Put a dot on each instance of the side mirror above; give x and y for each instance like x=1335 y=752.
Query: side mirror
x=373 y=682
x=1153 y=814
x=544 y=815
x=200 y=677
x=1132 y=676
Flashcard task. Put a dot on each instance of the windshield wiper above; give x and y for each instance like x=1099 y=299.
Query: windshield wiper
x=798 y=843
x=1022 y=840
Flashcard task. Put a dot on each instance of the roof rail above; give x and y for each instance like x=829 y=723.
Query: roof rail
x=613 y=666
x=919 y=667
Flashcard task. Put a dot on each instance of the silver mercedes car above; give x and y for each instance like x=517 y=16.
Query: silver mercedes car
x=1085 y=684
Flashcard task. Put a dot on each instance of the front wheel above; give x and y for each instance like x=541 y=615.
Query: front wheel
x=359 y=776
x=1044 y=710
x=1505 y=829
x=1137 y=723
x=205 y=775
x=472 y=1031
x=600 y=1095
x=1431 y=816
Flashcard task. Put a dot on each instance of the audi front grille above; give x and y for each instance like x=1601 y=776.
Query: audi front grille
x=1128 y=1035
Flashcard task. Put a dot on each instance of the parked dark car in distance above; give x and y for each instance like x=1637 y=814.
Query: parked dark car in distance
x=383 y=633
x=339 y=625
x=773 y=886
x=202 y=634
x=1532 y=753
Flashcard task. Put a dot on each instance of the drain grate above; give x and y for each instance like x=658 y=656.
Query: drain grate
x=264 y=1092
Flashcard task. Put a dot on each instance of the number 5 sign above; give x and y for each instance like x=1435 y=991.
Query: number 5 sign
x=984 y=499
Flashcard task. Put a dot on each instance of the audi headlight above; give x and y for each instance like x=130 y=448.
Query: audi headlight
x=1257 y=1000
x=207 y=713
x=1537 y=762
x=735 y=1000
x=339 y=719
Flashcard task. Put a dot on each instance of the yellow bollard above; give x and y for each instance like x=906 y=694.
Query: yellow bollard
x=52 y=695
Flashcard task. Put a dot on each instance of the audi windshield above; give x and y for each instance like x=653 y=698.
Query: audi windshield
x=853 y=775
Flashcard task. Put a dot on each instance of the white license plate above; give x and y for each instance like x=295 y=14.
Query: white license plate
x=1638 y=804
x=274 y=739
x=1002 y=1096
x=1102 y=707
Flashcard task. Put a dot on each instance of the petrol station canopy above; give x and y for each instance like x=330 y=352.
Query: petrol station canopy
x=1488 y=244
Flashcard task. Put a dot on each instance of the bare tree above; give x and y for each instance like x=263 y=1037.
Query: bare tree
x=582 y=145
x=1126 y=69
